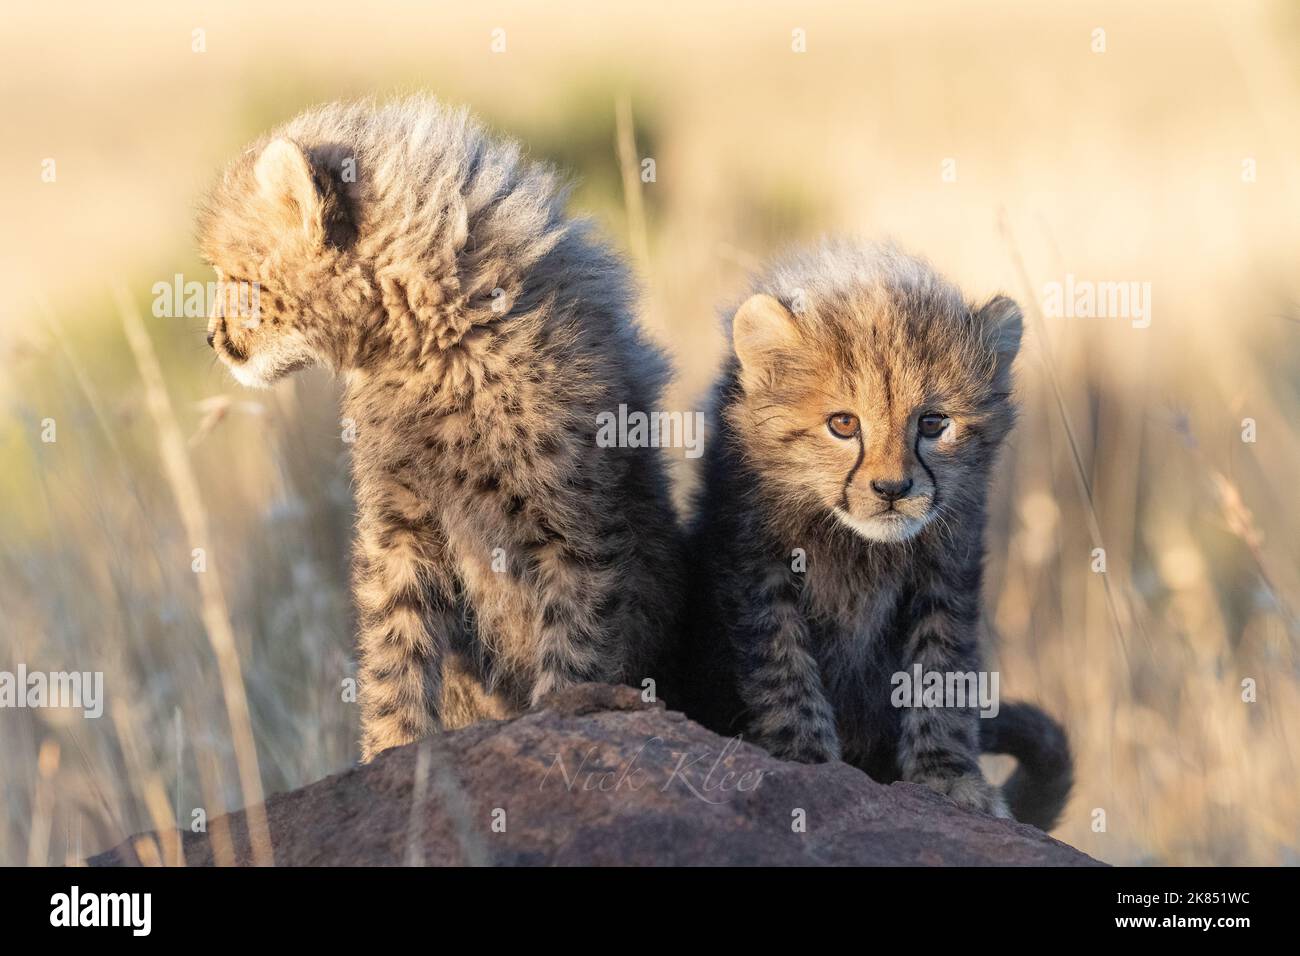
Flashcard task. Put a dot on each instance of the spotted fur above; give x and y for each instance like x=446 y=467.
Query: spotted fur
x=825 y=563
x=499 y=552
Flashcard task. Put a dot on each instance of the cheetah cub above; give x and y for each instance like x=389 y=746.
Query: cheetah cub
x=479 y=331
x=839 y=536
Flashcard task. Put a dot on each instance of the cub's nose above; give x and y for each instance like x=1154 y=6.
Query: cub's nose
x=211 y=338
x=892 y=490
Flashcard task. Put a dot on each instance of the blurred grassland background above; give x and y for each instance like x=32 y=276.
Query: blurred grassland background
x=1115 y=166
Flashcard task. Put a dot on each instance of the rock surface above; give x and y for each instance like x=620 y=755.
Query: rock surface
x=598 y=777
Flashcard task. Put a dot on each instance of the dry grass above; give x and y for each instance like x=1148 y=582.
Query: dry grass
x=1117 y=166
x=213 y=608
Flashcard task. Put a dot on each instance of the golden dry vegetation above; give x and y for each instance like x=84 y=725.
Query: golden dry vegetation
x=1132 y=164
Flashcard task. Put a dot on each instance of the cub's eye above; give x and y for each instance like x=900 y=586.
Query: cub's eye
x=843 y=424
x=932 y=426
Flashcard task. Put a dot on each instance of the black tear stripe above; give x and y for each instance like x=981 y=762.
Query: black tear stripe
x=234 y=351
x=848 y=479
x=934 y=482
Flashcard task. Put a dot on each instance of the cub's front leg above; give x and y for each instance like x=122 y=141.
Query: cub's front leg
x=778 y=677
x=406 y=618
x=939 y=746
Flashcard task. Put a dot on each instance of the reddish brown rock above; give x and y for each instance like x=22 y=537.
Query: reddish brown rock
x=598 y=777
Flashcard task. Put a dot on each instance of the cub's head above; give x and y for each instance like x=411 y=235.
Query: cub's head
x=277 y=231
x=871 y=391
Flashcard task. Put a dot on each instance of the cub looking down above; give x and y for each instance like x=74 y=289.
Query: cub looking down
x=480 y=331
x=839 y=535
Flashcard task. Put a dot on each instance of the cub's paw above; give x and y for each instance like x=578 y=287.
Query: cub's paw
x=804 y=749
x=971 y=791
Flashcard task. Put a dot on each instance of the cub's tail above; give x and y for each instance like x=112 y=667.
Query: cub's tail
x=1040 y=785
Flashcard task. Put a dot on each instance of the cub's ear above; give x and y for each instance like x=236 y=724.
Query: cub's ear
x=1002 y=325
x=285 y=181
x=761 y=327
